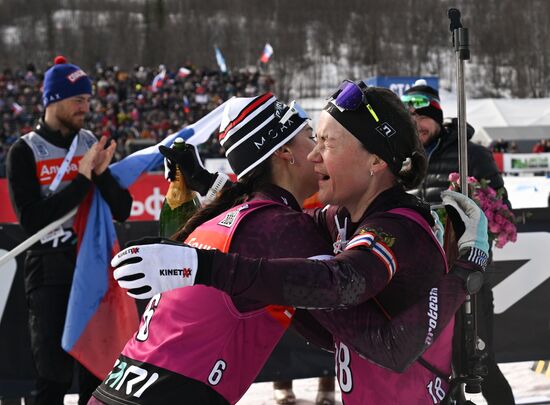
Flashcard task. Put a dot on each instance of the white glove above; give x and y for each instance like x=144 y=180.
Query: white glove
x=470 y=225
x=150 y=269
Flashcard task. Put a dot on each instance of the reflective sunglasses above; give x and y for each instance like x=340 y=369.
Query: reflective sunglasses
x=417 y=101
x=294 y=109
x=350 y=96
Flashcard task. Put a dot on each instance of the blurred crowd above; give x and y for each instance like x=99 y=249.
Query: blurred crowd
x=142 y=106
x=502 y=146
x=542 y=146
x=136 y=108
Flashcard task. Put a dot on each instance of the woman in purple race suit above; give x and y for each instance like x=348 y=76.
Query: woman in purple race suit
x=210 y=349
x=388 y=265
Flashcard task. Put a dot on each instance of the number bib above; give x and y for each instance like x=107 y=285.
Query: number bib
x=363 y=382
x=134 y=382
x=197 y=333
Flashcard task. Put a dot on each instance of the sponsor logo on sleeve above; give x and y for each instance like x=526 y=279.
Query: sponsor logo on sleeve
x=379 y=243
x=433 y=312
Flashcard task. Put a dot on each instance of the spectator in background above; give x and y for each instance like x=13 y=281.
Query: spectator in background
x=441 y=144
x=38 y=201
x=539 y=147
x=500 y=146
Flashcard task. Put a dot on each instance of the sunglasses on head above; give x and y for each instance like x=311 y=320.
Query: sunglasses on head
x=294 y=109
x=350 y=96
x=417 y=101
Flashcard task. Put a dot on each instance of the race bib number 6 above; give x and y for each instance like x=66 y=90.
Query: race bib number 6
x=143 y=332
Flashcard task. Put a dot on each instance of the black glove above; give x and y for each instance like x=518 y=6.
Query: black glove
x=196 y=176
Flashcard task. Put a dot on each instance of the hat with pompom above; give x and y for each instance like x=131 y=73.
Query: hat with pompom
x=64 y=80
x=432 y=107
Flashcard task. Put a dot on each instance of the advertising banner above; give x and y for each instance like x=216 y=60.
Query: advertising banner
x=526 y=162
x=399 y=84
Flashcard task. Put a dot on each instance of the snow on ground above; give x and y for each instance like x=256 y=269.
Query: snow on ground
x=528 y=387
x=528 y=191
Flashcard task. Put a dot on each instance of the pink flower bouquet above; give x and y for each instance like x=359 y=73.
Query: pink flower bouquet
x=502 y=228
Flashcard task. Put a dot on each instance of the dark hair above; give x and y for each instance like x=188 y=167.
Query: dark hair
x=407 y=145
x=229 y=197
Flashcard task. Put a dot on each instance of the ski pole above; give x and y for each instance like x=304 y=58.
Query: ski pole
x=469 y=368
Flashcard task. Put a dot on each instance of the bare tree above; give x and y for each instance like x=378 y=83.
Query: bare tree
x=316 y=43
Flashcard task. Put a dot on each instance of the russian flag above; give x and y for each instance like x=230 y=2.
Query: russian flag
x=186 y=108
x=158 y=80
x=100 y=316
x=266 y=54
x=183 y=72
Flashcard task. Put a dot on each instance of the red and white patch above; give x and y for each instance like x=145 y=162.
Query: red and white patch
x=47 y=170
x=379 y=248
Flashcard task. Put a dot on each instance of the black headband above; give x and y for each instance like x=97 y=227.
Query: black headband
x=378 y=137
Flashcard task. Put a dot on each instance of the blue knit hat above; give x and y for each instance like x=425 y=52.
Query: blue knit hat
x=64 y=80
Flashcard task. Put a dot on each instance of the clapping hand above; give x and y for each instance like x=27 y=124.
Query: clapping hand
x=88 y=161
x=104 y=155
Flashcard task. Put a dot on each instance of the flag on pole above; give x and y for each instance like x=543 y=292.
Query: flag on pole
x=266 y=54
x=16 y=108
x=183 y=72
x=220 y=59
x=100 y=316
x=158 y=80
x=186 y=104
